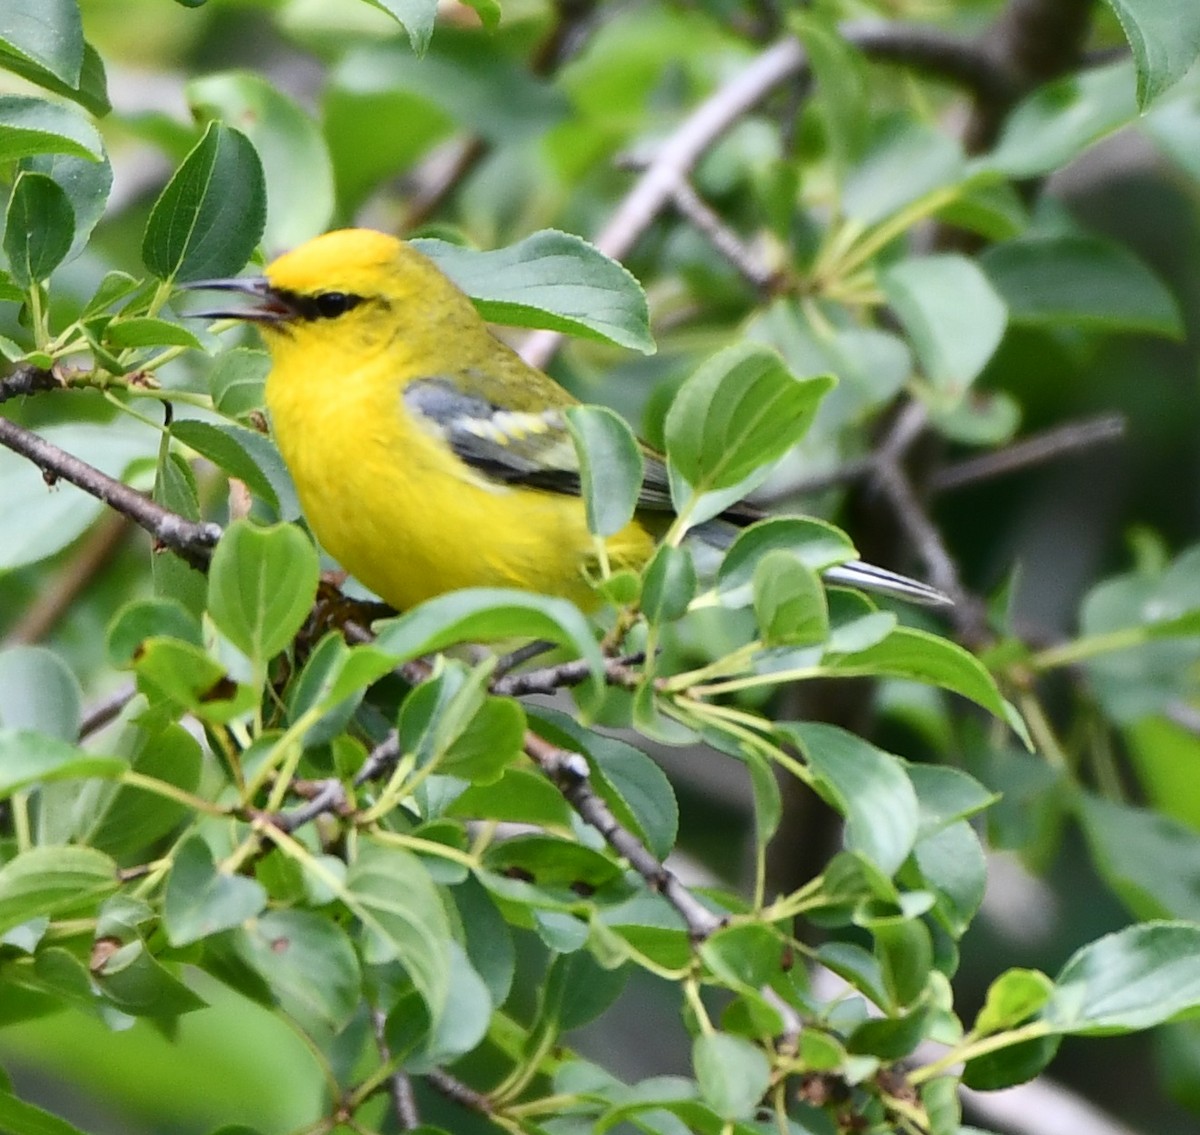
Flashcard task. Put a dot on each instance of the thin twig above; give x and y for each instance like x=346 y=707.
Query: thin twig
x=1046 y=446
x=551 y=678
x=404 y=1103
x=330 y=796
x=458 y=1092
x=655 y=188
x=191 y=540
x=105 y=711
x=381 y=761
x=569 y=773
x=702 y=217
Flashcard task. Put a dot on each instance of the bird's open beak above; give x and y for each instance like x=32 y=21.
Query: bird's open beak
x=271 y=306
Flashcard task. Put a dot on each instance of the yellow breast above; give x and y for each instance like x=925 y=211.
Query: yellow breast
x=399 y=511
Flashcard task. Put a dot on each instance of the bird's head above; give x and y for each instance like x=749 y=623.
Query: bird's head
x=360 y=287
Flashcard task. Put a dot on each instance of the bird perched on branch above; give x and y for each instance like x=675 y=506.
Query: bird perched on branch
x=427 y=455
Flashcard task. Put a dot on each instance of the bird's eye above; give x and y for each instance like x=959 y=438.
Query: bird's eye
x=329 y=305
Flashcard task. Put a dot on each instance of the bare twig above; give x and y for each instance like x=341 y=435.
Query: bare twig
x=381 y=760
x=706 y=220
x=458 y=1092
x=191 y=540
x=655 y=188
x=400 y=1088
x=569 y=773
x=105 y=711
x=552 y=678
x=1046 y=446
x=330 y=796
x=27 y=380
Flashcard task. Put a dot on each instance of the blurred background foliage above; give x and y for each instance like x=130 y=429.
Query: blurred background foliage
x=542 y=121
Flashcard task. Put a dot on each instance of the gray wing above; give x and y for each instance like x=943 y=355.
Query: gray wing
x=515 y=447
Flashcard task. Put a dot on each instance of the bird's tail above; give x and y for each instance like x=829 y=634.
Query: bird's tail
x=855 y=573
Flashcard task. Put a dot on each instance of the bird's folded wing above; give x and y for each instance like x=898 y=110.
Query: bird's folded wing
x=516 y=447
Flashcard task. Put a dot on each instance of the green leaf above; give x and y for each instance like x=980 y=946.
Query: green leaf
x=952 y=865
x=842 y=90
x=789 y=601
x=947 y=795
x=1011 y=999
x=28 y=758
x=90 y=91
x=46 y=32
x=1165 y=38
x=135 y=982
x=392 y=895
x=209 y=218
x=733 y=1074
x=37 y=691
x=261 y=586
x=53 y=881
x=1134 y=979
x=201 y=900
x=952 y=314
x=1129 y=847
x=33 y=126
x=669 y=584
x=297 y=172
x=1062 y=119
x=142 y=331
x=124 y=820
x=486 y=614
x=632 y=785
x=815 y=543
x=1153 y=619
x=611 y=466
x=309 y=964
x=417 y=17
x=866 y=785
x=228 y=447
x=38 y=229
x=20 y=1118
x=911 y=653
x=87 y=185
x=149 y=618
x=185 y=676
x=548 y=873
x=909 y=160
x=237 y=380
x=1081 y=281
x=450 y=721
x=553 y=280
x=742 y=410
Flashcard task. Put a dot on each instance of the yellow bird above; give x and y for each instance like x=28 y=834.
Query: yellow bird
x=427 y=455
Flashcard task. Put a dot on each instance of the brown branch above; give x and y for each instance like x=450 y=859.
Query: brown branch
x=569 y=773
x=1034 y=450
x=191 y=540
x=26 y=380
x=53 y=601
x=105 y=711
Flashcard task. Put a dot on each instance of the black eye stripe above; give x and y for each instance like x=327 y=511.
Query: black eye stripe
x=322 y=305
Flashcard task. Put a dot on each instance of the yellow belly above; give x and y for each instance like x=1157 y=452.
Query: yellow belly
x=402 y=514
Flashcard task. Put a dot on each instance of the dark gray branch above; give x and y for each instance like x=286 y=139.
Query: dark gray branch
x=191 y=540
